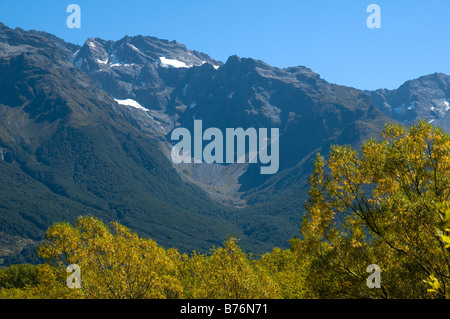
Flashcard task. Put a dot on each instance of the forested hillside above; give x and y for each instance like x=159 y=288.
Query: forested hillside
x=384 y=205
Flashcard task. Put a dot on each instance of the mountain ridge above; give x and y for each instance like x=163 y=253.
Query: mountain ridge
x=86 y=129
x=68 y=150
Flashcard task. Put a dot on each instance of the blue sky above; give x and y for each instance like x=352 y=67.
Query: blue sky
x=330 y=37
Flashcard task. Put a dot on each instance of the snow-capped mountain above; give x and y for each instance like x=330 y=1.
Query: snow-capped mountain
x=141 y=71
x=139 y=50
x=86 y=130
x=163 y=85
x=427 y=97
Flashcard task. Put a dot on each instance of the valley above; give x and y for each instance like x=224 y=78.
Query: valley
x=87 y=130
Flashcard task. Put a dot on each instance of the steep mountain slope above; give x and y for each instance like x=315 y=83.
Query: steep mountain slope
x=139 y=68
x=240 y=93
x=67 y=150
x=307 y=110
x=86 y=130
x=311 y=114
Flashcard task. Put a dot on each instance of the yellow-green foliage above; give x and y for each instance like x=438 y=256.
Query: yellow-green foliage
x=227 y=273
x=386 y=205
x=378 y=207
x=116 y=263
x=287 y=271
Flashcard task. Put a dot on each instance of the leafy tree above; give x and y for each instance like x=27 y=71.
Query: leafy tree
x=115 y=263
x=19 y=276
x=227 y=273
x=287 y=271
x=443 y=231
x=35 y=282
x=387 y=204
x=378 y=207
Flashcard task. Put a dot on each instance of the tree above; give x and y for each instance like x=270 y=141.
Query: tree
x=227 y=273
x=378 y=206
x=115 y=263
x=19 y=276
x=287 y=271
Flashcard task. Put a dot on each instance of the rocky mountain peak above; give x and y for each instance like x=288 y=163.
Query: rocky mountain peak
x=140 y=50
x=427 y=97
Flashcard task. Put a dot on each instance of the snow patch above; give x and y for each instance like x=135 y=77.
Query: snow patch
x=412 y=106
x=74 y=56
x=132 y=103
x=173 y=63
x=133 y=47
x=101 y=61
x=120 y=64
x=115 y=62
x=214 y=66
x=399 y=110
x=447 y=105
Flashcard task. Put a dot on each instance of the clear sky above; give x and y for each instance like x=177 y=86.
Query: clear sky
x=329 y=36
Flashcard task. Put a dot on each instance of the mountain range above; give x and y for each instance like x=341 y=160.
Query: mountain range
x=86 y=130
